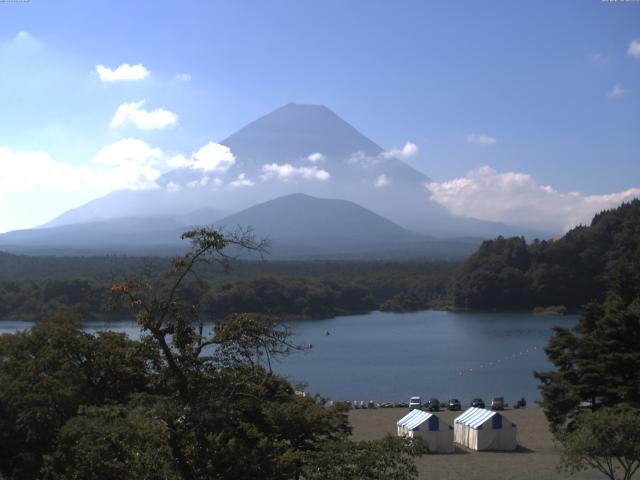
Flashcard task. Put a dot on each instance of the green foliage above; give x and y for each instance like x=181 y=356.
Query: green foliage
x=390 y=458
x=288 y=297
x=574 y=270
x=607 y=440
x=598 y=361
x=47 y=373
x=404 y=302
x=176 y=405
x=287 y=289
x=113 y=442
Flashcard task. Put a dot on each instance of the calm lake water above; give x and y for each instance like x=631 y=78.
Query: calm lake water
x=390 y=357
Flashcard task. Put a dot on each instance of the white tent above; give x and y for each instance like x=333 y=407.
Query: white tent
x=481 y=429
x=437 y=435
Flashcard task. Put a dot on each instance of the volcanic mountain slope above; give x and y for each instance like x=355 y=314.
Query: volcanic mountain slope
x=296 y=148
x=298 y=226
x=302 y=216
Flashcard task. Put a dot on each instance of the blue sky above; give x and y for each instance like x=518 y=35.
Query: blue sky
x=550 y=89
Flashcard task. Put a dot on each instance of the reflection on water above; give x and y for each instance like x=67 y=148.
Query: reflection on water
x=389 y=357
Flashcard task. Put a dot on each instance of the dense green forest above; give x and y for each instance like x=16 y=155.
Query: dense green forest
x=35 y=287
x=505 y=273
x=570 y=271
x=176 y=404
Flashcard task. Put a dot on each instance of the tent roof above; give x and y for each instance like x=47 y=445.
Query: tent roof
x=475 y=417
x=414 y=419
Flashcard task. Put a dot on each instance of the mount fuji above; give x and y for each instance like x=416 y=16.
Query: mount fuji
x=296 y=149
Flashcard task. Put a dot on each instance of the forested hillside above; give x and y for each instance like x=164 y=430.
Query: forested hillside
x=570 y=271
x=33 y=288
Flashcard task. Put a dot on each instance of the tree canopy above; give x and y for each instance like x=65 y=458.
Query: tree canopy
x=598 y=360
x=607 y=440
x=592 y=397
x=570 y=271
x=178 y=404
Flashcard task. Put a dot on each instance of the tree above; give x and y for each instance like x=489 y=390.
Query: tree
x=230 y=403
x=570 y=271
x=598 y=364
x=47 y=373
x=113 y=442
x=180 y=403
x=391 y=458
x=607 y=440
x=598 y=361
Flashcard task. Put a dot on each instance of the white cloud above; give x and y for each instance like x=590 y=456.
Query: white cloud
x=33 y=170
x=616 y=92
x=480 y=139
x=409 y=150
x=316 y=157
x=213 y=157
x=633 y=50
x=127 y=163
x=123 y=72
x=183 y=77
x=128 y=149
x=361 y=158
x=242 y=181
x=143 y=119
x=203 y=182
x=382 y=181
x=288 y=172
x=517 y=199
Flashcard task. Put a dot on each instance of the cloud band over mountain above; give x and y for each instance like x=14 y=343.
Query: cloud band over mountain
x=516 y=198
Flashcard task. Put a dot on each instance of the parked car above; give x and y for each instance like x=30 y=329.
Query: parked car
x=477 y=402
x=415 y=402
x=497 y=403
x=433 y=405
x=454 y=404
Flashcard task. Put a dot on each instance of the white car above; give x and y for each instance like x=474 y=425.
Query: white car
x=415 y=402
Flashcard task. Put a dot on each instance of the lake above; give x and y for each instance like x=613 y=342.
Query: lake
x=392 y=356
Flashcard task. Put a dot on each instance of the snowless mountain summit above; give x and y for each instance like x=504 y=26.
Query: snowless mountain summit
x=296 y=148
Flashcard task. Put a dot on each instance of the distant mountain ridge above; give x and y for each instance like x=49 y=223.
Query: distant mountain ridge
x=298 y=226
x=358 y=170
x=302 y=216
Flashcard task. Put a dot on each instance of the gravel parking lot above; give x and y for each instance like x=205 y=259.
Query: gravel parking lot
x=536 y=458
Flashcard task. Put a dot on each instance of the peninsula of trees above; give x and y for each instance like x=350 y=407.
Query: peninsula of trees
x=508 y=273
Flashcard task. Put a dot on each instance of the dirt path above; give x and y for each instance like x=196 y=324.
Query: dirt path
x=535 y=459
